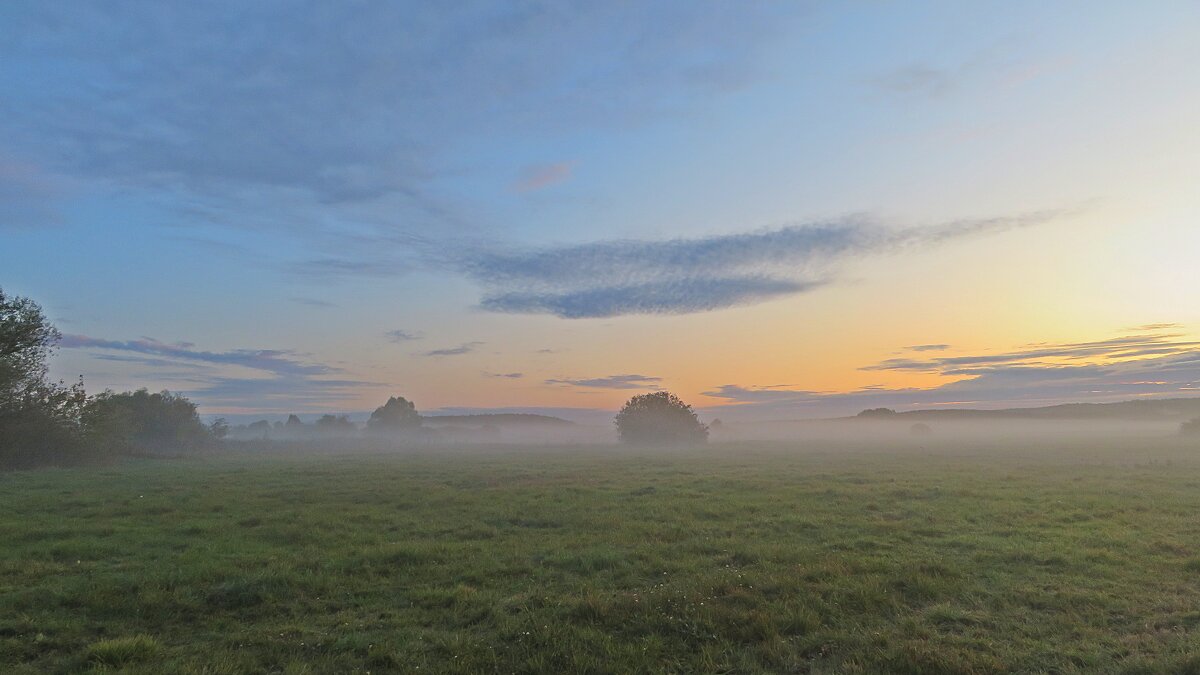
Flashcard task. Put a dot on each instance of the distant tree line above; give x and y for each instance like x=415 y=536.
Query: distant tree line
x=398 y=416
x=43 y=422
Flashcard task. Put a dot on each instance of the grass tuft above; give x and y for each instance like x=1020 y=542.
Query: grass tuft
x=120 y=652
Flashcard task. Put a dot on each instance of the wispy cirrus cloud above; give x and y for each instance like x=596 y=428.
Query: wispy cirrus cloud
x=927 y=348
x=312 y=302
x=684 y=296
x=612 y=382
x=326 y=269
x=399 y=335
x=277 y=378
x=681 y=276
x=465 y=348
x=1151 y=327
x=1154 y=364
x=1112 y=350
x=278 y=361
x=329 y=130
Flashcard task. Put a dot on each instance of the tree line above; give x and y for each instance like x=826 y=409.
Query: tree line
x=397 y=416
x=43 y=422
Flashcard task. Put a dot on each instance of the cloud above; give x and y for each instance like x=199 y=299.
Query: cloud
x=265 y=115
x=680 y=276
x=927 y=348
x=275 y=394
x=1111 y=349
x=312 y=302
x=1151 y=327
x=27 y=196
x=465 y=348
x=324 y=269
x=280 y=362
x=918 y=79
x=278 y=378
x=402 y=335
x=673 y=297
x=613 y=382
x=541 y=176
x=741 y=394
x=1157 y=364
x=510 y=376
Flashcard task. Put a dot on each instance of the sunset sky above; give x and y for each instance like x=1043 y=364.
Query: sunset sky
x=786 y=209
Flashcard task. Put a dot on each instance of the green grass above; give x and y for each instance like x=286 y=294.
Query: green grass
x=726 y=559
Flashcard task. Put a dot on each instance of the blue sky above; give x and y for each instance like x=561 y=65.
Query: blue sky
x=285 y=206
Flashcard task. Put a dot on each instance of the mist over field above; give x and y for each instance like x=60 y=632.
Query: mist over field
x=672 y=336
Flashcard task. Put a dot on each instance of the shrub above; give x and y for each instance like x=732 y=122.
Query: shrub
x=659 y=418
x=139 y=421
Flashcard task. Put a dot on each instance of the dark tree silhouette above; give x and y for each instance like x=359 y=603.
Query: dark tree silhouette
x=333 y=425
x=145 y=422
x=398 y=414
x=259 y=429
x=659 y=418
x=40 y=421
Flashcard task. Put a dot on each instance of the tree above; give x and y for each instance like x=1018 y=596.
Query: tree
x=139 y=421
x=334 y=425
x=398 y=414
x=26 y=340
x=40 y=421
x=260 y=429
x=218 y=428
x=659 y=418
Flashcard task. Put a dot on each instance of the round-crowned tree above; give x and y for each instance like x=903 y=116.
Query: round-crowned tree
x=398 y=414
x=660 y=418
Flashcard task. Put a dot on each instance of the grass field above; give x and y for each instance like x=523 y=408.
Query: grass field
x=768 y=558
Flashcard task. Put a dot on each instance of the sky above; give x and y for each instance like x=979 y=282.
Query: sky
x=774 y=210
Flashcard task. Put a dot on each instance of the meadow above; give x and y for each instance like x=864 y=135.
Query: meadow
x=1062 y=556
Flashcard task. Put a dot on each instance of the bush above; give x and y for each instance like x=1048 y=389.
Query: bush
x=138 y=421
x=659 y=418
x=120 y=652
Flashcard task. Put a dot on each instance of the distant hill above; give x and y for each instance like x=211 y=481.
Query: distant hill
x=1157 y=410
x=496 y=420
